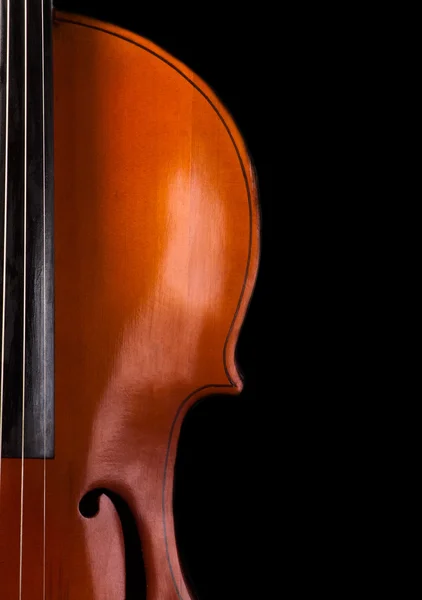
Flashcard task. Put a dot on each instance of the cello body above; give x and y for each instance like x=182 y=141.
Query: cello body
x=156 y=253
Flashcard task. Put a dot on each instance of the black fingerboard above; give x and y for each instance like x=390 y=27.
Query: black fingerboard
x=26 y=230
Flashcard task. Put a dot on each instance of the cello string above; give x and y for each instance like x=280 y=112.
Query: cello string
x=44 y=299
x=25 y=167
x=6 y=161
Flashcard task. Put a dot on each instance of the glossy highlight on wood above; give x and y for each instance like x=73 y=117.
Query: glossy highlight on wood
x=156 y=254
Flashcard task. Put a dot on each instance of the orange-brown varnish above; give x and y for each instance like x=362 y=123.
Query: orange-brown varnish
x=156 y=252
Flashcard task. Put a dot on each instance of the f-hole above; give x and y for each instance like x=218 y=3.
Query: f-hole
x=134 y=563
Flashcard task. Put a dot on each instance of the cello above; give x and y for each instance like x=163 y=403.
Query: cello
x=130 y=245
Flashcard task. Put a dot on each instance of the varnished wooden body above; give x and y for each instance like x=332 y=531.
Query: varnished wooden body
x=156 y=252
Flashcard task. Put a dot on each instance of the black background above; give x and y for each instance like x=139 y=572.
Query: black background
x=226 y=497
